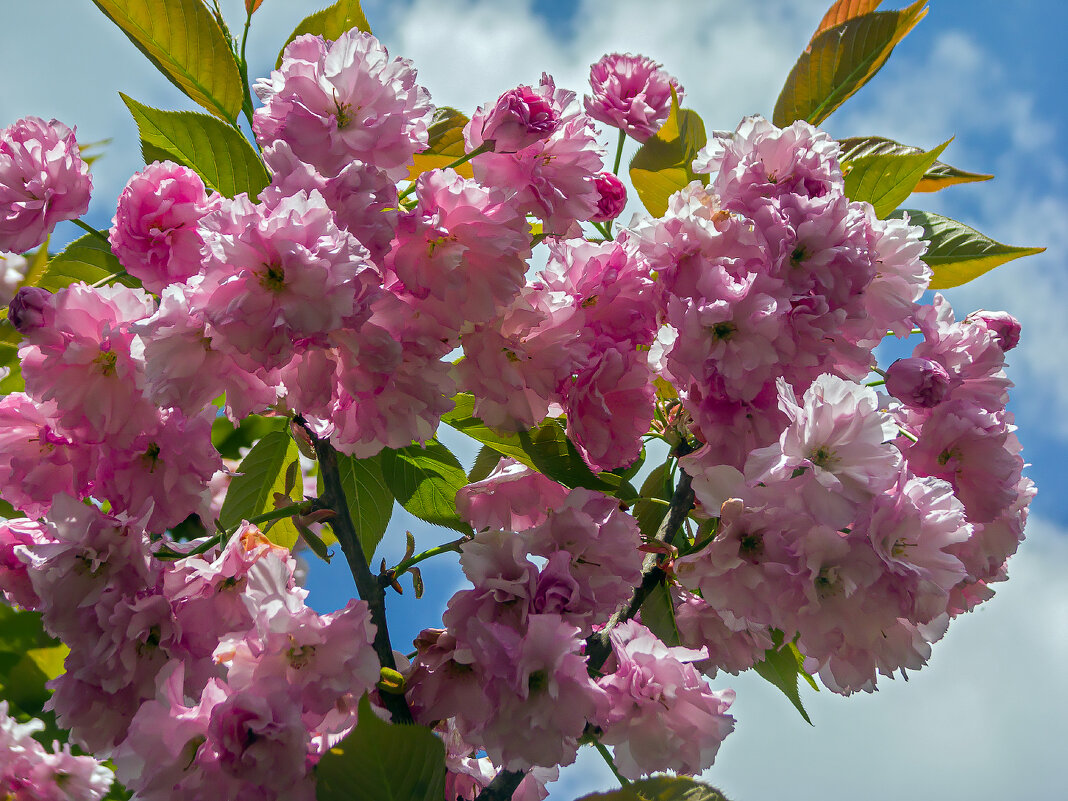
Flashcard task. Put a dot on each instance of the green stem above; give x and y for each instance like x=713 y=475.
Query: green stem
x=660 y=501
x=276 y=514
x=908 y=434
x=878 y=383
x=619 y=151
x=485 y=147
x=448 y=547
x=107 y=279
x=86 y=227
x=623 y=780
x=246 y=103
x=604 y=230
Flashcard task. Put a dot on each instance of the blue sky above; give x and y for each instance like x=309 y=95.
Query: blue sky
x=986 y=719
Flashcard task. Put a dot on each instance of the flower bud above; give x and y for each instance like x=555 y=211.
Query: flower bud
x=613 y=197
x=520 y=118
x=30 y=309
x=917 y=382
x=1002 y=325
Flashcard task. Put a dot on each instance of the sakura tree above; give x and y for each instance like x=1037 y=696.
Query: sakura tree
x=692 y=461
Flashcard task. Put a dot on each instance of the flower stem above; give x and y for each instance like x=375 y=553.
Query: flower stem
x=619 y=151
x=107 y=279
x=478 y=151
x=246 y=103
x=623 y=780
x=86 y=227
x=448 y=547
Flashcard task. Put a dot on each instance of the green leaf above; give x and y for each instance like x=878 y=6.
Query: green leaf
x=87 y=259
x=21 y=630
x=886 y=179
x=329 y=23
x=186 y=44
x=781 y=666
x=446 y=144
x=958 y=254
x=545 y=448
x=379 y=761
x=263 y=473
x=230 y=441
x=841 y=60
x=485 y=463
x=215 y=151
x=938 y=176
x=369 y=499
x=664 y=164
x=648 y=514
x=661 y=788
x=38 y=263
x=658 y=615
x=425 y=480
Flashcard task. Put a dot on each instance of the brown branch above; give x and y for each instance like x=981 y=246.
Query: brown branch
x=502 y=786
x=598 y=645
x=367 y=585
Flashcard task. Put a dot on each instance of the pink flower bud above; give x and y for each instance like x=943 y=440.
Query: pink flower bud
x=917 y=382
x=612 y=199
x=31 y=308
x=1002 y=325
x=520 y=118
x=631 y=93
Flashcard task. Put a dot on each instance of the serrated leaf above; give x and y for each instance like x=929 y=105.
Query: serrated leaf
x=380 y=761
x=263 y=473
x=425 y=480
x=938 y=176
x=446 y=145
x=186 y=44
x=87 y=259
x=843 y=11
x=369 y=499
x=545 y=448
x=215 y=151
x=781 y=667
x=886 y=179
x=329 y=23
x=36 y=267
x=841 y=60
x=658 y=615
x=485 y=463
x=664 y=163
x=661 y=788
x=958 y=253
x=648 y=514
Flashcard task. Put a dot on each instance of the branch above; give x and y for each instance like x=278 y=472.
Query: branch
x=367 y=585
x=502 y=786
x=598 y=646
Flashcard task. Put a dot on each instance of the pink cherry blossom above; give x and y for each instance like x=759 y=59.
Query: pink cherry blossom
x=519 y=118
x=334 y=102
x=632 y=93
x=154 y=233
x=43 y=181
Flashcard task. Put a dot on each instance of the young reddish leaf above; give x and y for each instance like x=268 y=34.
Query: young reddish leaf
x=840 y=61
x=252 y=5
x=843 y=11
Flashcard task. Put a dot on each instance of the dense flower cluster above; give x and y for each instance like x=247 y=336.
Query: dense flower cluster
x=851 y=522
x=29 y=772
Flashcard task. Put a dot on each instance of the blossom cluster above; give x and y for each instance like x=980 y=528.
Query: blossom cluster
x=193 y=675
x=852 y=522
x=30 y=772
